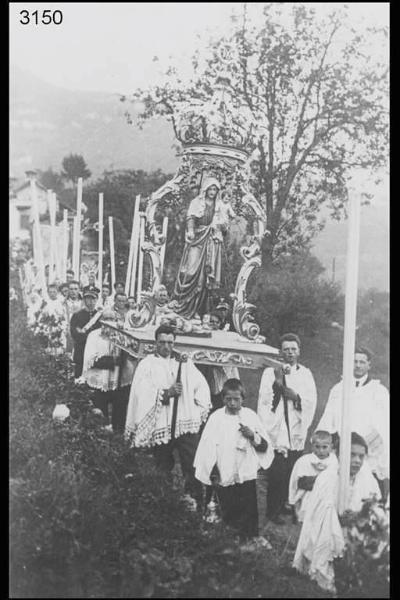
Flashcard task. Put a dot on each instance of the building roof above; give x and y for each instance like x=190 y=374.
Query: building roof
x=27 y=184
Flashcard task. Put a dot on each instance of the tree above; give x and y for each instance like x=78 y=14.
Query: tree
x=318 y=101
x=51 y=180
x=74 y=166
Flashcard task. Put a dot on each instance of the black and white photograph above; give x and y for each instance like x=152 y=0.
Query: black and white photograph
x=199 y=300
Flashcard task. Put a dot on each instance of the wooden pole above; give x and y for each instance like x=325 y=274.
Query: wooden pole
x=78 y=229
x=131 y=246
x=112 y=251
x=164 y=234
x=39 y=246
x=353 y=239
x=136 y=237
x=101 y=231
x=65 y=245
x=141 y=256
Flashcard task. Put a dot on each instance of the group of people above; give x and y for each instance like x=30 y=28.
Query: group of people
x=168 y=404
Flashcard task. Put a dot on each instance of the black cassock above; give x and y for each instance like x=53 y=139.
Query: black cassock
x=80 y=319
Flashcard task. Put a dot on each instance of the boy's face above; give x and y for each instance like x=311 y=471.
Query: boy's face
x=233 y=401
x=290 y=352
x=215 y=323
x=357 y=456
x=321 y=448
x=52 y=293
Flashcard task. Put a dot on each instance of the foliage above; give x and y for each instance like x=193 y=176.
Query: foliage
x=50 y=328
x=294 y=297
x=74 y=166
x=365 y=565
x=317 y=98
x=51 y=180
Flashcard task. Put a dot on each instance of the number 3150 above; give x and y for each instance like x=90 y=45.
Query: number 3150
x=44 y=17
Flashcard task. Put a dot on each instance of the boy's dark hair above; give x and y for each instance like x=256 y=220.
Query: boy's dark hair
x=119 y=294
x=290 y=337
x=70 y=271
x=363 y=350
x=118 y=283
x=52 y=285
x=357 y=439
x=62 y=286
x=233 y=385
x=73 y=281
x=164 y=329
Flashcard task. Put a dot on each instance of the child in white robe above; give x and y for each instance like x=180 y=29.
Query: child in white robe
x=306 y=470
x=233 y=446
x=321 y=537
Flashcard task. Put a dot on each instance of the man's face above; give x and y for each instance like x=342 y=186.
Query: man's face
x=53 y=293
x=90 y=302
x=321 y=448
x=212 y=192
x=215 y=323
x=233 y=401
x=92 y=280
x=165 y=344
x=290 y=352
x=119 y=289
x=356 y=458
x=120 y=301
x=69 y=277
x=132 y=303
x=73 y=291
x=105 y=292
x=65 y=291
x=361 y=365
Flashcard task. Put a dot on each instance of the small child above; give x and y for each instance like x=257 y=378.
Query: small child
x=233 y=446
x=306 y=470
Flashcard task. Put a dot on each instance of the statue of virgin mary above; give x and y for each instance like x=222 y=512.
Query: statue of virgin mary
x=200 y=267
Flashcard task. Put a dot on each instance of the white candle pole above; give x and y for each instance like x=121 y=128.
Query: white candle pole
x=141 y=257
x=131 y=246
x=65 y=245
x=112 y=251
x=164 y=234
x=75 y=247
x=38 y=238
x=78 y=235
x=353 y=238
x=135 y=252
x=52 y=213
x=101 y=231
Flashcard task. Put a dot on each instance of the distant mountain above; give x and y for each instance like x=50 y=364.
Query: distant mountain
x=48 y=122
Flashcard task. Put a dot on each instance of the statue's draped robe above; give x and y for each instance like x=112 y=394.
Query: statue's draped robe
x=200 y=267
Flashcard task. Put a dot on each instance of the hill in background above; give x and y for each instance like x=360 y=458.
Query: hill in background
x=48 y=122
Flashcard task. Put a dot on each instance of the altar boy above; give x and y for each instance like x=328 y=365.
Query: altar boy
x=233 y=446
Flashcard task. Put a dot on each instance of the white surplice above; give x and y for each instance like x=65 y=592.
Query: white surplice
x=369 y=417
x=223 y=445
x=148 y=421
x=301 y=380
x=307 y=465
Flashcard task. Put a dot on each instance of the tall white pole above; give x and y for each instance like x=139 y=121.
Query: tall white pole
x=52 y=213
x=75 y=247
x=65 y=245
x=131 y=246
x=39 y=246
x=353 y=239
x=136 y=239
x=78 y=234
x=141 y=257
x=101 y=231
x=164 y=234
x=112 y=250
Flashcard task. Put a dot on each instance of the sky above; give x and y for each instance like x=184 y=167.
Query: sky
x=110 y=46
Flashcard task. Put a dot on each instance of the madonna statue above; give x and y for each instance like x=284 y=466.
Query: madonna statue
x=200 y=268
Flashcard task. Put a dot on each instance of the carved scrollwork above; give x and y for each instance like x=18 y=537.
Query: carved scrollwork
x=141 y=317
x=242 y=315
x=220 y=358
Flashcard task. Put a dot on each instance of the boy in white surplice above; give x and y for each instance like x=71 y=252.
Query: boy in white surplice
x=233 y=446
